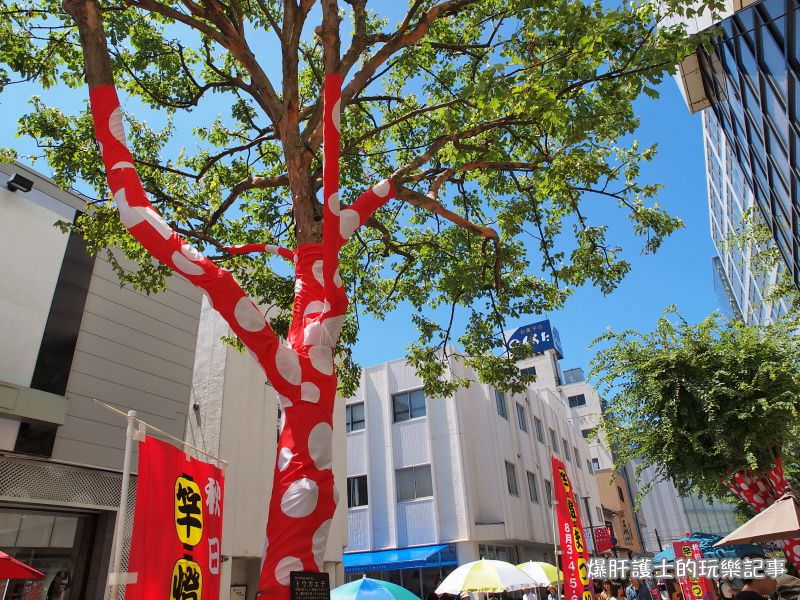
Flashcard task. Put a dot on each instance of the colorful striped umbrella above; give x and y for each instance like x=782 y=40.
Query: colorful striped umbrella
x=371 y=589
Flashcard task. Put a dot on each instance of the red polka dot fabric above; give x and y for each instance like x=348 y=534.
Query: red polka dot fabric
x=301 y=367
x=761 y=490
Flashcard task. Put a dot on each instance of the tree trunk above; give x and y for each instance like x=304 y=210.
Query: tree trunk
x=761 y=490
x=301 y=368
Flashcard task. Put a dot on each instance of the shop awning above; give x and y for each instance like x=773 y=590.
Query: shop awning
x=401 y=558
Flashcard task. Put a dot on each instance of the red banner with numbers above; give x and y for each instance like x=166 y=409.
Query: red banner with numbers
x=176 y=548
x=693 y=588
x=574 y=552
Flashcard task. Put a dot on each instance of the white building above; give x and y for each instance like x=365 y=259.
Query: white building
x=234 y=415
x=435 y=482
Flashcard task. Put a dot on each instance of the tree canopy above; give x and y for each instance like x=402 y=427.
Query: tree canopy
x=700 y=402
x=499 y=122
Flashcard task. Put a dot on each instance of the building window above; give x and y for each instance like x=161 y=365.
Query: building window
x=576 y=456
x=533 y=489
x=548 y=492
x=357 y=491
x=620 y=494
x=414 y=482
x=599 y=513
x=595 y=464
x=504 y=553
x=500 y=398
x=579 y=400
x=354 y=414
x=586 y=432
x=528 y=372
x=408 y=405
x=537 y=424
x=554 y=440
x=511 y=477
x=522 y=419
x=566 y=449
x=589 y=467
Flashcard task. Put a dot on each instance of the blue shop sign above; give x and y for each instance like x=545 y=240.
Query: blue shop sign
x=540 y=336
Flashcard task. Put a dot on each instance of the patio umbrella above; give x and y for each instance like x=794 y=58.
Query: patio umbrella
x=542 y=573
x=486 y=576
x=707 y=541
x=371 y=589
x=11 y=568
x=781 y=521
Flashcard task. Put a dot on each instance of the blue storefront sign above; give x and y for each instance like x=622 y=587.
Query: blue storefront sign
x=540 y=336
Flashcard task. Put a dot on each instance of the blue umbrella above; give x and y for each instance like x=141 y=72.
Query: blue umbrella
x=707 y=541
x=371 y=589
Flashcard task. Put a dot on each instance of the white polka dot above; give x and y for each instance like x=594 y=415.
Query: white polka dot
x=128 y=215
x=309 y=392
x=315 y=306
x=337 y=114
x=123 y=165
x=318 y=542
x=382 y=189
x=323 y=332
x=271 y=248
x=337 y=280
x=248 y=316
x=349 y=221
x=288 y=364
x=298 y=285
x=316 y=270
x=284 y=458
x=159 y=224
x=285 y=567
x=184 y=265
x=321 y=359
x=320 y=445
x=333 y=203
x=300 y=498
x=282 y=423
x=191 y=253
x=284 y=402
x=116 y=127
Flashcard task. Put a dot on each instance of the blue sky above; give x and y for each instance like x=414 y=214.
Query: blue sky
x=680 y=273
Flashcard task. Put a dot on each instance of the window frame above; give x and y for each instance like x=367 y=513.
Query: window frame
x=500 y=400
x=533 y=487
x=522 y=417
x=576 y=403
x=411 y=416
x=548 y=491
x=512 y=483
x=413 y=469
x=554 y=440
x=348 y=414
x=539 y=427
x=352 y=491
x=595 y=465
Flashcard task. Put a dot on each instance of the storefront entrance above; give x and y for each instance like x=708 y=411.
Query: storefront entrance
x=57 y=543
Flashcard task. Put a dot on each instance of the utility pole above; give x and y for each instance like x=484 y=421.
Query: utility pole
x=658 y=540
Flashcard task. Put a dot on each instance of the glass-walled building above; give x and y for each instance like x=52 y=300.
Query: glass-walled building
x=748 y=84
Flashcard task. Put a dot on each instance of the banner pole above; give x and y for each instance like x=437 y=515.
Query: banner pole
x=555 y=537
x=114 y=574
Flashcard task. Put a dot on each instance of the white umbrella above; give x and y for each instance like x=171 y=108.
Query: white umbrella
x=486 y=576
x=781 y=521
x=542 y=573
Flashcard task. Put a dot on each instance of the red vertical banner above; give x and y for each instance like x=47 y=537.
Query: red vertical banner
x=574 y=553
x=693 y=588
x=176 y=547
